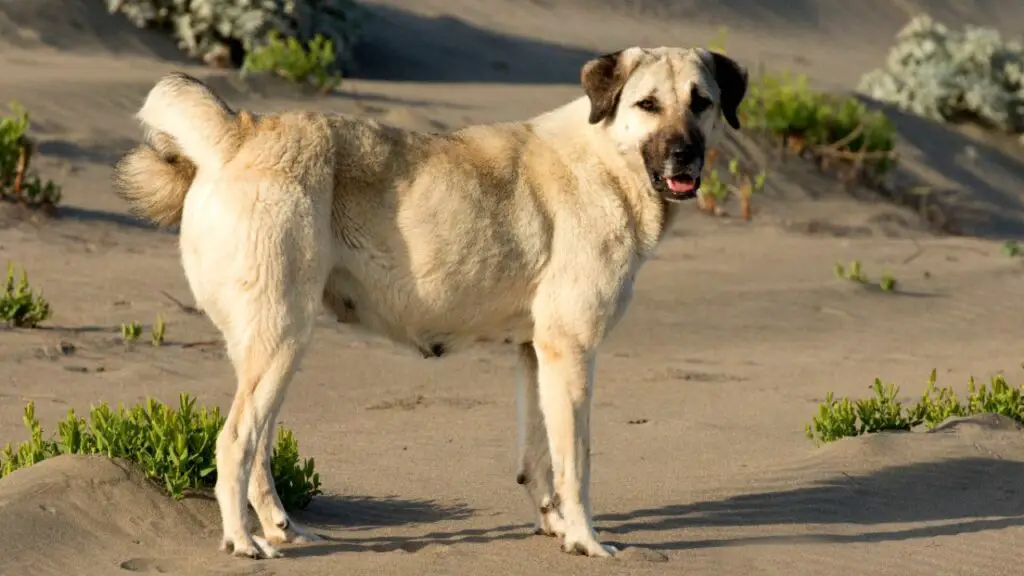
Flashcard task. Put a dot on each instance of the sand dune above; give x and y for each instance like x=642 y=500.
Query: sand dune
x=736 y=334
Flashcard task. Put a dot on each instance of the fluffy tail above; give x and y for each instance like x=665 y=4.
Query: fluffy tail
x=189 y=128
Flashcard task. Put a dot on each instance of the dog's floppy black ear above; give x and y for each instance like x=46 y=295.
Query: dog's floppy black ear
x=602 y=79
x=732 y=85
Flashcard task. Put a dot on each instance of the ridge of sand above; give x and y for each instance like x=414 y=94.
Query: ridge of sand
x=73 y=511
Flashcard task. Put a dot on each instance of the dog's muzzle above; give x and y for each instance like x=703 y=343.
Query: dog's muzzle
x=679 y=180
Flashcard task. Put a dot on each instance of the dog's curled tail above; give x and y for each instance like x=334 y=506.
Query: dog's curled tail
x=188 y=128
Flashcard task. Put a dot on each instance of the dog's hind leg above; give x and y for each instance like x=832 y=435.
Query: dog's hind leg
x=277 y=526
x=266 y=345
x=534 y=456
x=266 y=308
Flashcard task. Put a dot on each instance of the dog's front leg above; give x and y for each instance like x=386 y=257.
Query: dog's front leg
x=565 y=378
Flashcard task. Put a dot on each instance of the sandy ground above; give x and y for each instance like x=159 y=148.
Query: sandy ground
x=737 y=332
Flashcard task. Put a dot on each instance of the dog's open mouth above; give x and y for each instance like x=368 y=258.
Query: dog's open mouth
x=682 y=187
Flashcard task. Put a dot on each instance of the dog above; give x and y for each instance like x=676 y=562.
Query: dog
x=528 y=232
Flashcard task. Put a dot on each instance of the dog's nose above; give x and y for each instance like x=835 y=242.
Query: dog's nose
x=685 y=152
x=685 y=156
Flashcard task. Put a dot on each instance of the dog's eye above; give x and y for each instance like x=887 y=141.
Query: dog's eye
x=699 y=103
x=648 y=105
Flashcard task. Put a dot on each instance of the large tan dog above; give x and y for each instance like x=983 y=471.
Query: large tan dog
x=529 y=232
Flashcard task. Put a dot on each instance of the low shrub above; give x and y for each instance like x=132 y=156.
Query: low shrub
x=831 y=128
x=717 y=188
x=855 y=273
x=223 y=32
x=845 y=418
x=17 y=184
x=174 y=447
x=20 y=305
x=295 y=61
x=130 y=332
x=949 y=75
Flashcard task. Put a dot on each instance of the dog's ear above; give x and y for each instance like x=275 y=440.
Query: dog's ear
x=732 y=85
x=602 y=79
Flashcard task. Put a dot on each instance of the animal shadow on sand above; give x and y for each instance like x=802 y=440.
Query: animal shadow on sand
x=361 y=514
x=986 y=196
x=970 y=494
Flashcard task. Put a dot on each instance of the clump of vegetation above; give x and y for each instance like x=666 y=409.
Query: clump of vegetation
x=17 y=185
x=224 y=32
x=855 y=273
x=887 y=283
x=130 y=332
x=174 y=447
x=845 y=418
x=835 y=131
x=20 y=306
x=303 y=63
x=1011 y=248
x=949 y=75
x=158 y=332
x=715 y=189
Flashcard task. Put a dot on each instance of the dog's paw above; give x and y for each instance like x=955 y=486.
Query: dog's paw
x=290 y=532
x=249 y=547
x=587 y=546
x=550 y=523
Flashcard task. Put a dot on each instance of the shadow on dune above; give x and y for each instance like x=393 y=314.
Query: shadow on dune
x=970 y=494
x=363 y=512
x=979 y=182
x=358 y=513
x=415 y=543
x=794 y=13
x=83 y=26
x=875 y=18
x=240 y=92
x=967 y=495
x=90 y=216
x=13 y=214
x=400 y=45
x=96 y=153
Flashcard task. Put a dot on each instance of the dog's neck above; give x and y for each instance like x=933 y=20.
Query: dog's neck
x=571 y=121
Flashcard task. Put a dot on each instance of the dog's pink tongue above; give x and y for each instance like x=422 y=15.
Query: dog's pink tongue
x=680 y=186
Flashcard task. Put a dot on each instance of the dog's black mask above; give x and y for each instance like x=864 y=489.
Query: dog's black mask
x=674 y=159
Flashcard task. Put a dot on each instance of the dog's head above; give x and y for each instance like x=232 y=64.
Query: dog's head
x=665 y=104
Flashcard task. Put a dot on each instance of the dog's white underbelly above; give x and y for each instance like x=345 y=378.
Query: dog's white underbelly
x=433 y=326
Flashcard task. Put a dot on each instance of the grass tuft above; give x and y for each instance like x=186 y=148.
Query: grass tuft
x=174 y=447
x=20 y=306
x=844 y=418
x=16 y=148
x=295 y=61
x=835 y=131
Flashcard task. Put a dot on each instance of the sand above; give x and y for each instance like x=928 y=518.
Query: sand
x=737 y=331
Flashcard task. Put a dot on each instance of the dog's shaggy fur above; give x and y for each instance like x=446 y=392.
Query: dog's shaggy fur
x=529 y=232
